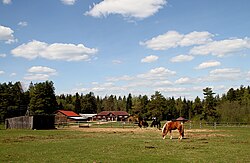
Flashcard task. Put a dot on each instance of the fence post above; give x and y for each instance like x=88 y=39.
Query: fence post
x=200 y=125
x=215 y=125
x=190 y=125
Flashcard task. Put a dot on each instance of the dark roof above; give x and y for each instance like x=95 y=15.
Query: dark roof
x=116 y=113
x=68 y=113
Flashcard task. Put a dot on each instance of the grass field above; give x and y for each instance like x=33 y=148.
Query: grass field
x=73 y=144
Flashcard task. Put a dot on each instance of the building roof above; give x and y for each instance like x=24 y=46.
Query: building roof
x=116 y=113
x=181 y=119
x=68 y=113
x=86 y=116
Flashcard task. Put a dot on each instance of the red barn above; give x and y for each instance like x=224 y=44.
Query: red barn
x=65 y=116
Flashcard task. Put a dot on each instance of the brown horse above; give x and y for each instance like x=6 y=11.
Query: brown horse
x=173 y=125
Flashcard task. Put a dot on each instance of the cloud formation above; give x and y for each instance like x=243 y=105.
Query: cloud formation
x=224 y=74
x=2 y=55
x=6 y=2
x=173 y=39
x=157 y=74
x=6 y=34
x=182 y=58
x=23 y=24
x=184 y=80
x=68 y=2
x=139 y=9
x=208 y=64
x=39 y=73
x=149 y=59
x=56 y=51
x=222 y=48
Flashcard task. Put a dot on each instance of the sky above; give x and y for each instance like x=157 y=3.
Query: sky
x=176 y=47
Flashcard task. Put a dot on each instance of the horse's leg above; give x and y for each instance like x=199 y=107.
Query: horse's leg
x=171 y=137
x=165 y=134
x=180 y=132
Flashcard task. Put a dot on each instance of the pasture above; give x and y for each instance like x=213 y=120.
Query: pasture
x=97 y=144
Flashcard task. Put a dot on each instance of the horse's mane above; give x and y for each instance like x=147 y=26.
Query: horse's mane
x=164 y=127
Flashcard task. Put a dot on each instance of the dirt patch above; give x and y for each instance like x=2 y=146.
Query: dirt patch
x=111 y=130
x=189 y=133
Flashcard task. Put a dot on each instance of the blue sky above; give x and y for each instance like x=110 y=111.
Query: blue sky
x=177 y=47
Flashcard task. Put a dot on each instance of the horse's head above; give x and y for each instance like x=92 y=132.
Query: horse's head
x=164 y=131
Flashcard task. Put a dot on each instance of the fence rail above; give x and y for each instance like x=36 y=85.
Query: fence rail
x=191 y=124
x=188 y=125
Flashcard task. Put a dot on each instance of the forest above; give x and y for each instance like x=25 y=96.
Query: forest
x=40 y=98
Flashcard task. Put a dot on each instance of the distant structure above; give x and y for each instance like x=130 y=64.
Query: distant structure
x=112 y=116
x=65 y=116
x=181 y=119
x=31 y=122
x=88 y=117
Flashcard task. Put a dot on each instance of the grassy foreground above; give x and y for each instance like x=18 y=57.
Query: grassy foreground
x=124 y=145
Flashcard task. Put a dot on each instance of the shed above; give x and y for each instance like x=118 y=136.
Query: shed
x=112 y=115
x=181 y=119
x=31 y=122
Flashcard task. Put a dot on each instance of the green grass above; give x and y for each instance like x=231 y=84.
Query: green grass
x=136 y=145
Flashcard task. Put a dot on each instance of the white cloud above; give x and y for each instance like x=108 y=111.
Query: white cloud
x=116 y=62
x=163 y=42
x=36 y=77
x=6 y=2
x=184 y=80
x=127 y=8
x=6 y=34
x=222 y=48
x=149 y=59
x=196 y=38
x=68 y=2
x=224 y=74
x=2 y=55
x=122 y=78
x=1 y=72
x=157 y=73
x=39 y=73
x=56 y=51
x=173 y=39
x=208 y=64
x=41 y=69
x=173 y=89
x=182 y=58
x=23 y=24
x=12 y=74
x=248 y=76
x=162 y=83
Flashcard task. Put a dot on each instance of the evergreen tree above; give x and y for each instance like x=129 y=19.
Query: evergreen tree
x=129 y=104
x=77 y=103
x=157 y=106
x=42 y=98
x=209 y=112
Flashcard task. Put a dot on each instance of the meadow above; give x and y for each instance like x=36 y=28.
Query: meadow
x=117 y=144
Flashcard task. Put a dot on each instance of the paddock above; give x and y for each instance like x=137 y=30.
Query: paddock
x=117 y=144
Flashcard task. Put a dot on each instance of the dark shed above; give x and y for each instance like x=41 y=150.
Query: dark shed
x=31 y=122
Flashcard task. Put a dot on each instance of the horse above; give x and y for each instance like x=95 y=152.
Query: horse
x=173 y=125
x=143 y=123
x=155 y=123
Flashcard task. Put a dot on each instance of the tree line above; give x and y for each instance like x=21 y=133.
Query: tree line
x=40 y=98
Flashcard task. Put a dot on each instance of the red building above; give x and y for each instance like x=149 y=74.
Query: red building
x=65 y=116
